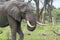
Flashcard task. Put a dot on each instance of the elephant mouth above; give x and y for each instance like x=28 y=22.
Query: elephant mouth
x=30 y=27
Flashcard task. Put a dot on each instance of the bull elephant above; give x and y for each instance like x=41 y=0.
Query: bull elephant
x=12 y=13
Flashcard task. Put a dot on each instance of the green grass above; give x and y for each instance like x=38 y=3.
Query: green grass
x=40 y=33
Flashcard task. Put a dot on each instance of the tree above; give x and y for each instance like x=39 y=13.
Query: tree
x=37 y=8
x=44 y=11
x=49 y=10
x=47 y=3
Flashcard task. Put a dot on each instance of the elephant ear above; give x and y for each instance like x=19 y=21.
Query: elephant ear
x=14 y=13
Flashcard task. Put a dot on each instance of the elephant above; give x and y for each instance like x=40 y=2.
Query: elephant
x=12 y=13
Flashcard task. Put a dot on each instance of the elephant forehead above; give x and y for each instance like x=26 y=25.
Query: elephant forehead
x=29 y=7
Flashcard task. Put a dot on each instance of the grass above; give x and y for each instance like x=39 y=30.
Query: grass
x=40 y=33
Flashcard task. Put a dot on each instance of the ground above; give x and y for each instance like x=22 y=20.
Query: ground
x=41 y=32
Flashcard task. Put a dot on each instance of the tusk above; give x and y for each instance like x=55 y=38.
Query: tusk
x=29 y=24
x=40 y=23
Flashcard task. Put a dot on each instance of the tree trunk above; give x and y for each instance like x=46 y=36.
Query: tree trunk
x=37 y=9
x=41 y=11
x=49 y=11
x=50 y=16
x=43 y=15
x=44 y=11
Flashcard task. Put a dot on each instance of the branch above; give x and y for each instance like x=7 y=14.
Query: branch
x=56 y=33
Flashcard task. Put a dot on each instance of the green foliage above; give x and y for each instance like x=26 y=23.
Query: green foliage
x=56 y=13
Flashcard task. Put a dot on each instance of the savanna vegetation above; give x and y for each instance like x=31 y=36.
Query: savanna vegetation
x=41 y=32
x=51 y=31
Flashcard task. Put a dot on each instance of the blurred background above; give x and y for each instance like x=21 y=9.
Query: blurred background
x=47 y=12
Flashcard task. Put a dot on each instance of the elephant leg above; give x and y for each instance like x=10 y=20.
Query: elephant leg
x=13 y=26
x=20 y=31
x=13 y=32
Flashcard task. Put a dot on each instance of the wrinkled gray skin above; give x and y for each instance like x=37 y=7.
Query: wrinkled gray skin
x=9 y=0
x=12 y=13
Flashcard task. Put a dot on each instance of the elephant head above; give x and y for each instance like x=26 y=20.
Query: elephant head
x=31 y=21
x=30 y=17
